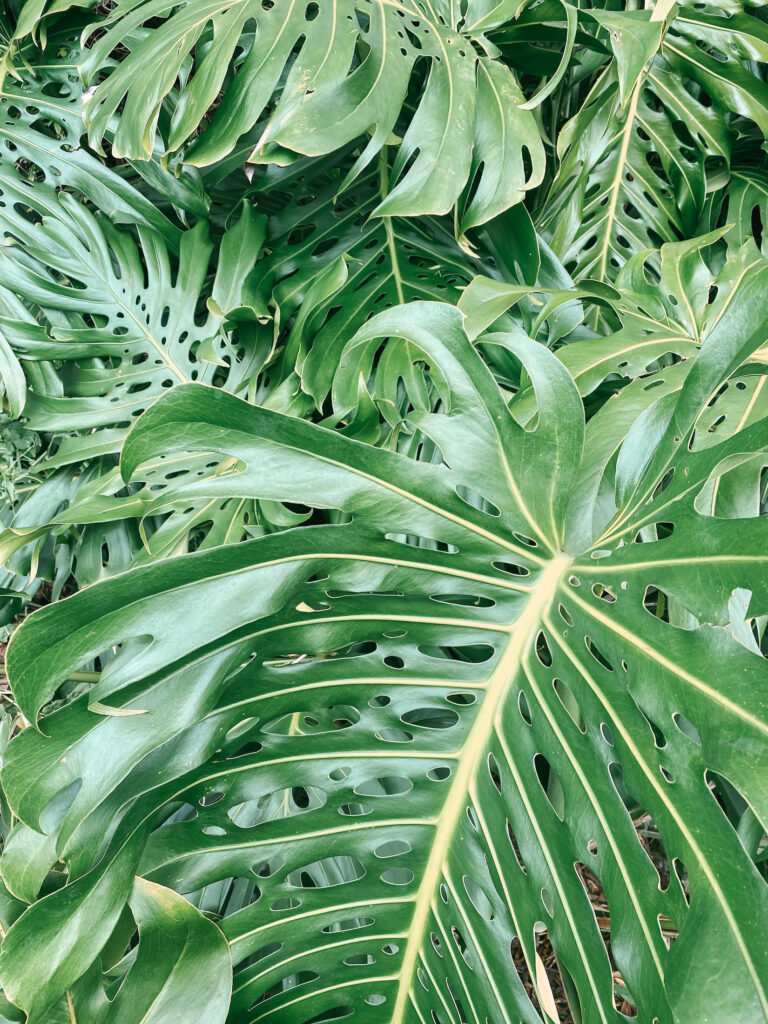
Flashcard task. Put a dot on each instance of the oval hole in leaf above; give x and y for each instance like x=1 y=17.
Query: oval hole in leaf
x=387 y=785
x=478 y=898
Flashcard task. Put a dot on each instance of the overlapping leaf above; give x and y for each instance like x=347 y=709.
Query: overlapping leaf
x=331 y=264
x=664 y=314
x=342 y=70
x=146 y=329
x=393 y=764
x=635 y=160
x=41 y=129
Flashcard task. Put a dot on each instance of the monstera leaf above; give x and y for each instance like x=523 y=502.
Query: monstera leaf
x=331 y=264
x=742 y=202
x=141 y=312
x=41 y=129
x=100 y=322
x=407 y=747
x=468 y=138
x=664 y=314
x=635 y=156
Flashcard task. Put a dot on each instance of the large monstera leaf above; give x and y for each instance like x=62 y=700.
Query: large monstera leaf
x=350 y=67
x=404 y=746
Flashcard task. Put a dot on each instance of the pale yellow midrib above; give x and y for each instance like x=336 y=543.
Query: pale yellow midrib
x=645 y=648
x=660 y=12
x=521 y=633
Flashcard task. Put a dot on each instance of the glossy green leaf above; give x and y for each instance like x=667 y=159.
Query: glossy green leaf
x=383 y=494
x=633 y=169
x=41 y=130
x=332 y=264
x=634 y=38
x=65 y=931
x=182 y=968
x=464 y=699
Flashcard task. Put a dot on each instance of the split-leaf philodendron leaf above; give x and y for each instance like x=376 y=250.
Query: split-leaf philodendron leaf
x=412 y=735
x=383 y=493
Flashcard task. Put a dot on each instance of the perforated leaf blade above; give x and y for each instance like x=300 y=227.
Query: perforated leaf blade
x=42 y=132
x=332 y=264
x=633 y=170
x=429 y=730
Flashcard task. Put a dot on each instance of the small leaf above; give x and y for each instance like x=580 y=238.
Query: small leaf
x=182 y=970
x=634 y=39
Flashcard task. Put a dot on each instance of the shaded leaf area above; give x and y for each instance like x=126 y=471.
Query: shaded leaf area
x=147 y=329
x=666 y=304
x=91 y=373
x=97 y=321
x=332 y=265
x=391 y=753
x=42 y=137
x=180 y=964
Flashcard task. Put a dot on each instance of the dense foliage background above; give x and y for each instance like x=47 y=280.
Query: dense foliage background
x=382 y=486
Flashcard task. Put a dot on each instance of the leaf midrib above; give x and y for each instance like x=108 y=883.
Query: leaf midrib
x=520 y=634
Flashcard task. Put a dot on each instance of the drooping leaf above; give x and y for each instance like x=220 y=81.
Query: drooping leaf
x=181 y=970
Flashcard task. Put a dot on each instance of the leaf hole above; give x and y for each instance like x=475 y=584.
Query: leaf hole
x=597 y=654
x=387 y=785
x=515 y=848
x=478 y=898
x=397 y=876
x=686 y=727
x=524 y=708
x=543 y=652
x=493 y=771
x=393 y=848
x=327 y=873
x=511 y=568
x=569 y=702
x=550 y=784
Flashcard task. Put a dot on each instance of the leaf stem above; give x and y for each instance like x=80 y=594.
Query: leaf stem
x=384 y=189
x=73 y=677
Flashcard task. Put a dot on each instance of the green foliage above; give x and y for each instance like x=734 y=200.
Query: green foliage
x=383 y=479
